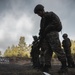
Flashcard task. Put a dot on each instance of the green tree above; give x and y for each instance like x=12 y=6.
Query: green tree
x=22 y=50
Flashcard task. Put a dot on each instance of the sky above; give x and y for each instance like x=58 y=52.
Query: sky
x=17 y=19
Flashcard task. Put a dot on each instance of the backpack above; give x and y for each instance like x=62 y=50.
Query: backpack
x=57 y=22
x=59 y=28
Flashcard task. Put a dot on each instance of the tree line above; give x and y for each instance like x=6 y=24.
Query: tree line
x=22 y=50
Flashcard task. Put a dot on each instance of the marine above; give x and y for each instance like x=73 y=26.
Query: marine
x=66 y=43
x=50 y=26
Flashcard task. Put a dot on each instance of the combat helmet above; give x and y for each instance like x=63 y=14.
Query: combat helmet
x=64 y=35
x=38 y=8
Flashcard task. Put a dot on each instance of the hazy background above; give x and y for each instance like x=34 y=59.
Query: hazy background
x=18 y=19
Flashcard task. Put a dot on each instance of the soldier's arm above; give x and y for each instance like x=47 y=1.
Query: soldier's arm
x=49 y=28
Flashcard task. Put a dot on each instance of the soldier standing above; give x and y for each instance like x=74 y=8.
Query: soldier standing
x=66 y=43
x=49 y=37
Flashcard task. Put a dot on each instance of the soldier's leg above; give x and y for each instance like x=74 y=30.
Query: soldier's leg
x=48 y=56
x=54 y=42
x=69 y=58
x=47 y=53
x=37 y=63
x=34 y=62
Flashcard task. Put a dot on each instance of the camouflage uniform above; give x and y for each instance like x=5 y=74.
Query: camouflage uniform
x=66 y=43
x=49 y=37
x=50 y=40
x=35 y=53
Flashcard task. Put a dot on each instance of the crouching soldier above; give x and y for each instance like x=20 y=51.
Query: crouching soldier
x=35 y=52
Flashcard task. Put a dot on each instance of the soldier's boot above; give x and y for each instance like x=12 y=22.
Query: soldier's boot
x=46 y=68
x=63 y=68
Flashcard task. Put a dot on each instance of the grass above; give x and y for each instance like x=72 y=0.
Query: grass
x=26 y=69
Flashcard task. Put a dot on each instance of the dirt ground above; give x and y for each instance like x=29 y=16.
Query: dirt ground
x=26 y=69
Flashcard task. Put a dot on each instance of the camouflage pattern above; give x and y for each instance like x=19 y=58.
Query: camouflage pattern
x=52 y=44
x=50 y=39
x=35 y=53
x=66 y=43
x=49 y=27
